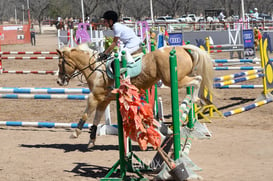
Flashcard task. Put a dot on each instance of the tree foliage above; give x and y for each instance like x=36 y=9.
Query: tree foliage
x=45 y=9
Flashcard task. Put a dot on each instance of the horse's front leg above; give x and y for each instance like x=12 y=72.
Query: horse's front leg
x=93 y=130
x=91 y=106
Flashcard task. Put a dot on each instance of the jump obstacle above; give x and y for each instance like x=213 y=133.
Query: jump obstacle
x=44 y=93
x=265 y=71
x=187 y=110
x=22 y=57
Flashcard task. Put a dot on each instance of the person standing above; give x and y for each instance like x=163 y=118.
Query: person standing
x=32 y=35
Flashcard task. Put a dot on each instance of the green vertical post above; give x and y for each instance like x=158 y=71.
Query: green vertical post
x=192 y=111
x=123 y=61
x=175 y=104
x=147 y=93
x=124 y=65
x=143 y=48
x=152 y=45
x=120 y=125
x=156 y=102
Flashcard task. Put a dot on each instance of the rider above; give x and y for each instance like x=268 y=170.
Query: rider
x=131 y=42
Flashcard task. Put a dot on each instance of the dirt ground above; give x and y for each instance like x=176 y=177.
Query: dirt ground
x=240 y=147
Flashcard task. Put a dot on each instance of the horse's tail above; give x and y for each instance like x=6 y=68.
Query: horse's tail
x=202 y=65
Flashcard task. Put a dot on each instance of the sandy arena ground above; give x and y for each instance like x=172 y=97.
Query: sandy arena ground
x=241 y=147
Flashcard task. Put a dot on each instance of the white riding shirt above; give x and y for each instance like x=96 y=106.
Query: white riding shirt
x=127 y=36
x=131 y=42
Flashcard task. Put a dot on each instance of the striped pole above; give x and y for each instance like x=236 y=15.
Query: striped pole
x=235 y=47
x=26 y=52
x=238 y=80
x=42 y=124
x=27 y=90
x=31 y=58
x=47 y=124
x=29 y=72
x=240 y=87
x=236 y=60
x=240 y=74
x=43 y=96
x=247 y=108
x=227 y=50
x=226 y=64
x=236 y=68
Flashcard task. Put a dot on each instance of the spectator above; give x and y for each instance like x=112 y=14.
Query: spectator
x=255 y=14
x=131 y=42
x=221 y=16
x=70 y=24
x=60 y=24
x=32 y=35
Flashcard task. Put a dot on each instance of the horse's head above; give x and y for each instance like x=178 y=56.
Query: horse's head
x=66 y=67
x=74 y=61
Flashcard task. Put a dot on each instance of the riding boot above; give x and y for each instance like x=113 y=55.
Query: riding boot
x=93 y=132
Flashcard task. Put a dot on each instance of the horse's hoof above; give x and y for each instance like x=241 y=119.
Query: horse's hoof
x=76 y=133
x=91 y=143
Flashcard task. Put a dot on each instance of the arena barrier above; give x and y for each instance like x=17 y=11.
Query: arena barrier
x=50 y=56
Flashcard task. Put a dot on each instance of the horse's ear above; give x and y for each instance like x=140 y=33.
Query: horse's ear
x=59 y=52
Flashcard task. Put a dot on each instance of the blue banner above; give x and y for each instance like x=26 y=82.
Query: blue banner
x=160 y=41
x=249 y=47
x=175 y=39
x=248 y=38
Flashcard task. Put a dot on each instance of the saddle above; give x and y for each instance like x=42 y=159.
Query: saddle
x=133 y=69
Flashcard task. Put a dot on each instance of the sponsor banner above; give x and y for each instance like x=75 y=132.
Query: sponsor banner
x=14 y=34
x=175 y=39
x=249 y=47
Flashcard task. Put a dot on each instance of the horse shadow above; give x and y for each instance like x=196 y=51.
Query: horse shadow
x=89 y=170
x=78 y=147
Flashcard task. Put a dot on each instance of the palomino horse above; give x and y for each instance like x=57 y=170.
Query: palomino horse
x=194 y=68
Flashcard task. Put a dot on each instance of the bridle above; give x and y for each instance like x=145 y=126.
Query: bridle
x=63 y=73
x=67 y=77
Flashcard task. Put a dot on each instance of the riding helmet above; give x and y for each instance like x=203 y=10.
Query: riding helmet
x=111 y=15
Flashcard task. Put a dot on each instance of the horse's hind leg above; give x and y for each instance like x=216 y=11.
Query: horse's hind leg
x=91 y=106
x=191 y=81
x=93 y=130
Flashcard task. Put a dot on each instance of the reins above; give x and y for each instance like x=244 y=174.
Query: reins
x=76 y=73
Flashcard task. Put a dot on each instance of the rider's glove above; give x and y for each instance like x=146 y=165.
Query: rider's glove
x=102 y=56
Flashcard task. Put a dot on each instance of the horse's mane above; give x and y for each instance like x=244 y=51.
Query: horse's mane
x=86 y=48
